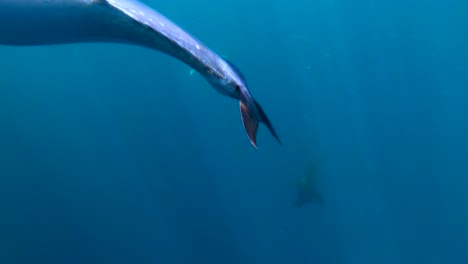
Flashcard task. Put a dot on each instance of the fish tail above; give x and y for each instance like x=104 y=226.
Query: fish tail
x=252 y=114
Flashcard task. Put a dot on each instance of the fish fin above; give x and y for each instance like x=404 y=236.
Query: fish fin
x=250 y=123
x=264 y=119
x=252 y=114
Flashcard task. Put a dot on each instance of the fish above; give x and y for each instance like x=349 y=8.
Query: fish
x=55 y=22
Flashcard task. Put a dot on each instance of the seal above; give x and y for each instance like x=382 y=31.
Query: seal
x=52 y=22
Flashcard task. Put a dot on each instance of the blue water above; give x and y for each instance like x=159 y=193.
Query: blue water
x=117 y=154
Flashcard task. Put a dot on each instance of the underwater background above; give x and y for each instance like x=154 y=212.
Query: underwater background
x=118 y=154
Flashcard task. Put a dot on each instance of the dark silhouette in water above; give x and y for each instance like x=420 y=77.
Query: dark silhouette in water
x=306 y=189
